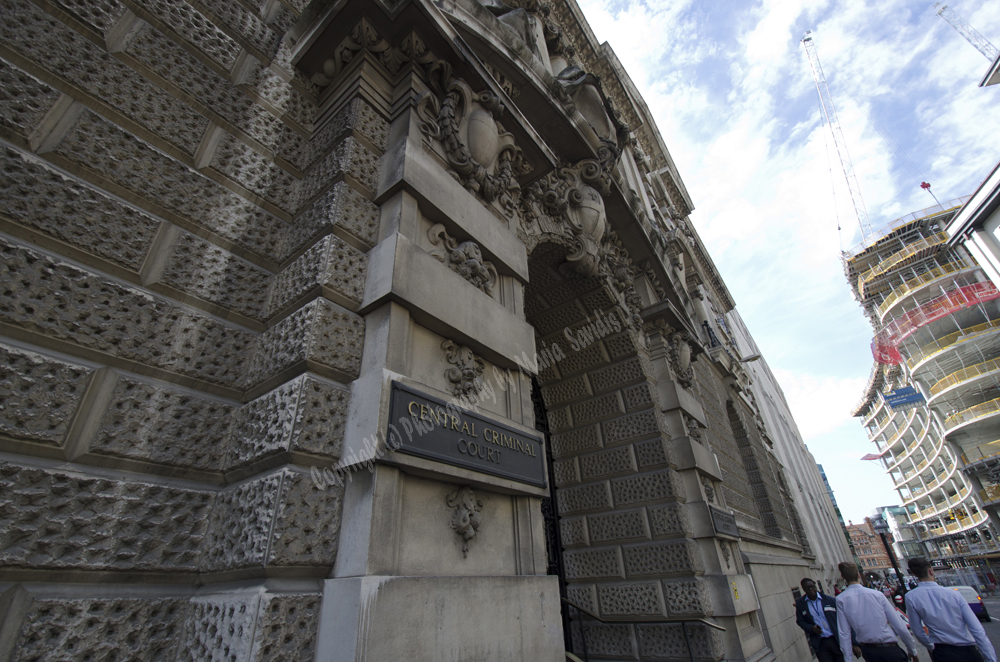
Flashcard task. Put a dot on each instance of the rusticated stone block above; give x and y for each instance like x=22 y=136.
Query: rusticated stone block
x=651 y=453
x=239 y=531
x=616 y=375
x=287 y=101
x=307 y=526
x=68 y=55
x=687 y=597
x=566 y=472
x=565 y=391
x=558 y=419
x=666 y=640
x=605 y=463
x=39 y=395
x=204 y=270
x=663 y=558
x=59 y=520
x=573 y=531
x=180 y=17
x=320 y=332
x=332 y=264
x=597 y=408
x=626 y=525
x=61 y=301
x=606 y=639
x=584 y=595
x=633 y=426
x=595 y=496
x=349 y=158
x=38 y=197
x=242 y=164
x=356 y=115
x=98 y=14
x=24 y=100
x=341 y=206
x=154 y=423
x=305 y=414
x=620 y=346
x=593 y=564
x=670 y=519
x=575 y=441
x=161 y=181
x=286 y=627
x=220 y=628
x=646 y=487
x=637 y=396
x=635 y=599
x=100 y=629
x=239 y=21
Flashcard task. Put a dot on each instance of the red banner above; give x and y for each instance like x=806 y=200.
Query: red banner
x=884 y=345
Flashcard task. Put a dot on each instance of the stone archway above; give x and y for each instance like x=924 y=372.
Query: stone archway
x=628 y=553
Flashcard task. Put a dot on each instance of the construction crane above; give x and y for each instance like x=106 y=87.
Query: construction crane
x=830 y=115
x=967 y=31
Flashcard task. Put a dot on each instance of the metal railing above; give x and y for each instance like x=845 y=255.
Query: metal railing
x=899 y=256
x=981 y=452
x=990 y=493
x=947 y=341
x=972 y=413
x=915 y=283
x=581 y=613
x=948 y=205
x=960 y=376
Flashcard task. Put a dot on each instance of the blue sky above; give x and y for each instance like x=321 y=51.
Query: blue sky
x=731 y=90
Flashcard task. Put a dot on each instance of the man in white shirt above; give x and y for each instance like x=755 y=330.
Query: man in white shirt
x=954 y=633
x=874 y=621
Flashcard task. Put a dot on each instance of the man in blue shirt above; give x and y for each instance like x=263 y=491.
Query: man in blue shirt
x=954 y=634
x=816 y=614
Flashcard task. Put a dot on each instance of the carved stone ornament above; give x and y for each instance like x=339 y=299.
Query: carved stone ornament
x=480 y=153
x=725 y=552
x=680 y=359
x=466 y=373
x=709 y=489
x=463 y=258
x=364 y=37
x=465 y=520
x=693 y=429
x=566 y=206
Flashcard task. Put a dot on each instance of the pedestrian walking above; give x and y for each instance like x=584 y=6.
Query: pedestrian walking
x=954 y=634
x=872 y=619
x=816 y=614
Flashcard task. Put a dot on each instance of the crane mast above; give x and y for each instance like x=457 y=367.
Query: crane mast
x=971 y=35
x=830 y=115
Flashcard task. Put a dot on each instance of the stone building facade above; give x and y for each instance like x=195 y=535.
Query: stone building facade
x=872 y=556
x=238 y=235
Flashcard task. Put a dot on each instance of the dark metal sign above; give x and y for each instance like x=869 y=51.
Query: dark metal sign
x=428 y=427
x=725 y=523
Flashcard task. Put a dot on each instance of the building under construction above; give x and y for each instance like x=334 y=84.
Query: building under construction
x=932 y=402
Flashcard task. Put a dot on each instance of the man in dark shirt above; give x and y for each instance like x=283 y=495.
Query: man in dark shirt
x=816 y=614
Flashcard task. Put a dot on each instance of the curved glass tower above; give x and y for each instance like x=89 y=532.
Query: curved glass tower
x=932 y=403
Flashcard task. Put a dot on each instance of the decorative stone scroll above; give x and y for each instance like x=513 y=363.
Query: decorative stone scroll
x=466 y=373
x=466 y=518
x=566 y=206
x=465 y=259
x=480 y=153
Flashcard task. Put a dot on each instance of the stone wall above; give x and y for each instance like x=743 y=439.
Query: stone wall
x=183 y=229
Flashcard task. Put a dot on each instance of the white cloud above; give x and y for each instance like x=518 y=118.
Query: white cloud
x=732 y=93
